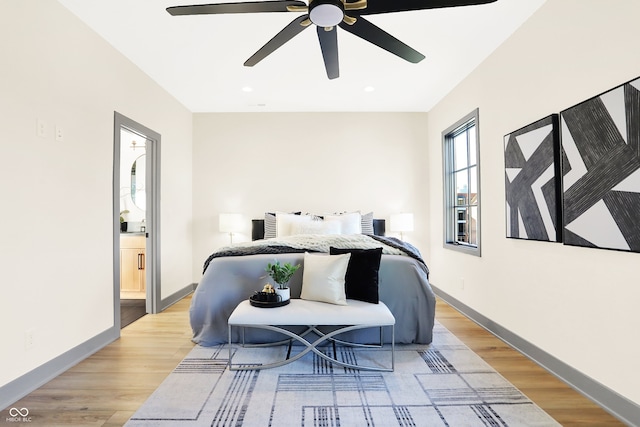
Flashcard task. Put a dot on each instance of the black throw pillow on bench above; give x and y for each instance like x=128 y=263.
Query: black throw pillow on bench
x=361 y=280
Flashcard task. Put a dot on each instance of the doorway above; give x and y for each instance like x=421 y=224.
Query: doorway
x=136 y=220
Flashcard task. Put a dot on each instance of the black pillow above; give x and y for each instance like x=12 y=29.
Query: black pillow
x=361 y=280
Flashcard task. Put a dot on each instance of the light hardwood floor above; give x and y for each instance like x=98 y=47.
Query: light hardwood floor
x=108 y=387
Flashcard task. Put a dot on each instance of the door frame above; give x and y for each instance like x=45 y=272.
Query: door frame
x=152 y=216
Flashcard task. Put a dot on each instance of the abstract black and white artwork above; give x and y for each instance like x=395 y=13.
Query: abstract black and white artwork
x=601 y=170
x=532 y=177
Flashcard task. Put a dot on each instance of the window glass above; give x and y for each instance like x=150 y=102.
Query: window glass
x=473 y=183
x=460 y=150
x=463 y=225
x=473 y=158
x=462 y=187
x=473 y=221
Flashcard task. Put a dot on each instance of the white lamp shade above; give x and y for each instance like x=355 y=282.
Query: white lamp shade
x=402 y=222
x=231 y=223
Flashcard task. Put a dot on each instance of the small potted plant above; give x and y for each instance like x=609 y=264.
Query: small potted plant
x=123 y=223
x=281 y=274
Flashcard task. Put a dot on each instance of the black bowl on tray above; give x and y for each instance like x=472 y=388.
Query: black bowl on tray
x=267 y=300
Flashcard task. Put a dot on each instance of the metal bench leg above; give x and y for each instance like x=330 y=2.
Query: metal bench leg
x=312 y=347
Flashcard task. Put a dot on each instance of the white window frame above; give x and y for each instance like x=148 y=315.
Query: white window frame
x=450 y=193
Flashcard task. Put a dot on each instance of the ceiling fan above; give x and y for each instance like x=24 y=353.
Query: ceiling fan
x=326 y=15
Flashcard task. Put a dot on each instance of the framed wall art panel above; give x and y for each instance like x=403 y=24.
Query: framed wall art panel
x=601 y=170
x=532 y=178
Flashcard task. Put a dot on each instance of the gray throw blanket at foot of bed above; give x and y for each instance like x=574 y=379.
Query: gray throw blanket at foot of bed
x=318 y=243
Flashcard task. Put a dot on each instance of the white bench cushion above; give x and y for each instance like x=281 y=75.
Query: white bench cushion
x=303 y=312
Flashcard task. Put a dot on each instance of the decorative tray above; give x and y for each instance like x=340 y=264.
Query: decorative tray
x=264 y=304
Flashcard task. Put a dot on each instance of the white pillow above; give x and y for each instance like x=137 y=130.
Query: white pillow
x=284 y=221
x=350 y=223
x=323 y=278
x=316 y=227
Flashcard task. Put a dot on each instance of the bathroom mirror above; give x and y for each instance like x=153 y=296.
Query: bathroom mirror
x=138 y=190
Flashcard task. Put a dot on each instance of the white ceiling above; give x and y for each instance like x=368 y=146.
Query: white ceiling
x=199 y=59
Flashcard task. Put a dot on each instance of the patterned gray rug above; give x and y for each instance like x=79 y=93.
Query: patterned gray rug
x=443 y=384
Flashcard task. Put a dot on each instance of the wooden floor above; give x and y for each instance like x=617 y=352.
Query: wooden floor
x=108 y=387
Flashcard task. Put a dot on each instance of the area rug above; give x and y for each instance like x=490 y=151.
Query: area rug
x=442 y=384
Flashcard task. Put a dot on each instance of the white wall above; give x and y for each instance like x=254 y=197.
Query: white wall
x=312 y=162
x=56 y=262
x=577 y=304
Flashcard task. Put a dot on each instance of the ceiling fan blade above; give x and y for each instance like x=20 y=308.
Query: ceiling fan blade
x=290 y=31
x=329 y=45
x=387 y=6
x=369 y=32
x=247 y=7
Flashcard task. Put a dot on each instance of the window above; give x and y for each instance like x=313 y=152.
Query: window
x=462 y=185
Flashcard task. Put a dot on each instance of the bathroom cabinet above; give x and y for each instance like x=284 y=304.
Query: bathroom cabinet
x=132 y=265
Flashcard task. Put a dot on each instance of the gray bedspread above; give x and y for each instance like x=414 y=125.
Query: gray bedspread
x=403 y=286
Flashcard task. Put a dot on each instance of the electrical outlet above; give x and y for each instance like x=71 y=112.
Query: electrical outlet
x=41 y=128
x=462 y=283
x=29 y=338
x=59 y=134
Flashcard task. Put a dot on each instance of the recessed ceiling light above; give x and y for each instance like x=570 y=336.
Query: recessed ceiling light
x=247 y=89
x=369 y=88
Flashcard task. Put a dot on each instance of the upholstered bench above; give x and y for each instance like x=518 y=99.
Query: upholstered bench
x=312 y=314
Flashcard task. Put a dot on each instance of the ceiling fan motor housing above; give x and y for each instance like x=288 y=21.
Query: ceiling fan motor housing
x=326 y=13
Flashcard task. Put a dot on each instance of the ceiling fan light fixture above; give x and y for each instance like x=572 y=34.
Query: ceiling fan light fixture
x=326 y=13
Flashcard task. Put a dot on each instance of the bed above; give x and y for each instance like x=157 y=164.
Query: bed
x=233 y=273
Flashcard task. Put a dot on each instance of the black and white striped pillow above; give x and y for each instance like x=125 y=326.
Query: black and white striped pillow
x=270 y=228
x=367 y=223
x=270 y=224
